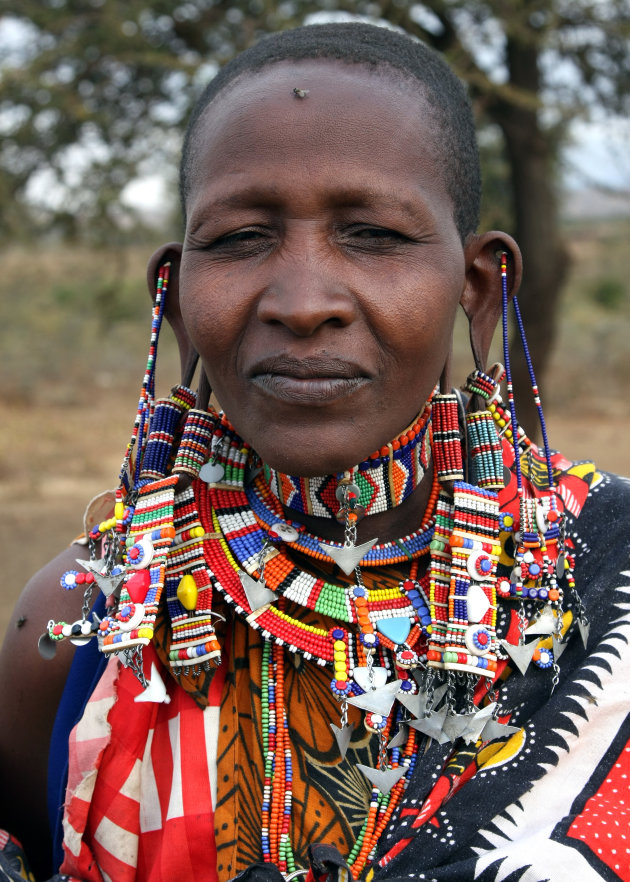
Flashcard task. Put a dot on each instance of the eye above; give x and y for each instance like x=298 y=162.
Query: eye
x=373 y=237
x=246 y=242
x=377 y=233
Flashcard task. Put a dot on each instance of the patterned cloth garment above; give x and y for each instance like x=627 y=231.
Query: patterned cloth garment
x=147 y=801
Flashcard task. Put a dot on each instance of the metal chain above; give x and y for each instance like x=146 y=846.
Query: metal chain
x=383 y=760
x=133 y=661
x=470 y=693
x=522 y=618
x=262 y=559
x=429 y=686
x=344 y=714
x=450 y=694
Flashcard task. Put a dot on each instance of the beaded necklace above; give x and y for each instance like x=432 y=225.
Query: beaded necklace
x=384 y=480
x=269 y=514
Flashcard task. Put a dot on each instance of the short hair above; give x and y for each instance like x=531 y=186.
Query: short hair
x=376 y=48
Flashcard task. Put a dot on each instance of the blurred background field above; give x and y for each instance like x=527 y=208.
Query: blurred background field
x=93 y=101
x=74 y=326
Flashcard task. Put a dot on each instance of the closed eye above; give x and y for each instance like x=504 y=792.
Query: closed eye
x=246 y=242
x=366 y=237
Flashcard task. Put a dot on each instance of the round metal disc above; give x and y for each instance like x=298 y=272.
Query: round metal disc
x=211 y=473
x=47 y=647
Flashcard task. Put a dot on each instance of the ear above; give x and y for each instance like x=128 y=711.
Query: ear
x=481 y=299
x=172 y=253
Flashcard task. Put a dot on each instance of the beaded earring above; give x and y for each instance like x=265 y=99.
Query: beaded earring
x=464 y=551
x=540 y=558
x=108 y=572
x=155 y=538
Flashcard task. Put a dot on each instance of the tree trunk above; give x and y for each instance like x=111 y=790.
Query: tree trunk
x=532 y=153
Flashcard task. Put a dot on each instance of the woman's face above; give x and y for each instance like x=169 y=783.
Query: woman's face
x=321 y=268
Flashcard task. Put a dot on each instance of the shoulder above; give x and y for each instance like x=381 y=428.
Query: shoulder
x=603 y=526
x=32 y=689
x=601 y=536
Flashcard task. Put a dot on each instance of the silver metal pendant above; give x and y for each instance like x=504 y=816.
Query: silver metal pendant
x=545 y=624
x=155 y=691
x=342 y=734
x=211 y=473
x=432 y=725
x=378 y=701
x=494 y=729
x=383 y=780
x=521 y=655
x=348 y=557
x=257 y=593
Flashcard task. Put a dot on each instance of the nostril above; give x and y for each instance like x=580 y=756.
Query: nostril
x=303 y=309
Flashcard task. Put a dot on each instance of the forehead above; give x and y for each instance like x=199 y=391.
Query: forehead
x=367 y=121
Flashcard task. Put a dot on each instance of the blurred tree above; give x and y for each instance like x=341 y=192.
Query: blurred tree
x=94 y=92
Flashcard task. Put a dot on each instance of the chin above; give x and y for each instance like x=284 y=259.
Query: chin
x=306 y=461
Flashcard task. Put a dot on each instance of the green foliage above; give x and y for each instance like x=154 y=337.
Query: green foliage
x=609 y=293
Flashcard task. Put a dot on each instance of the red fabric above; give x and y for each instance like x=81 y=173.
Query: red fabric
x=168 y=772
x=604 y=823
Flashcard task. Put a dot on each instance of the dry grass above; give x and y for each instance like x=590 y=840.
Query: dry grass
x=73 y=333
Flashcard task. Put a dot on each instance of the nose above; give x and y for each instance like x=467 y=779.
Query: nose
x=305 y=292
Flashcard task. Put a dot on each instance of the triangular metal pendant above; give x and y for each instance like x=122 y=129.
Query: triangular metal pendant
x=456 y=725
x=257 y=593
x=348 y=557
x=469 y=726
x=369 y=678
x=494 y=729
x=92 y=566
x=400 y=738
x=545 y=624
x=478 y=721
x=521 y=655
x=155 y=691
x=585 y=629
x=559 y=645
x=377 y=701
x=109 y=584
x=432 y=725
x=415 y=704
x=383 y=780
x=342 y=734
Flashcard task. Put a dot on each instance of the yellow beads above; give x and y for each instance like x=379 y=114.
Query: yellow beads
x=187 y=592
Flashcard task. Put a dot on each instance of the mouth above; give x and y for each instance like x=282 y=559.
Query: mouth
x=310 y=380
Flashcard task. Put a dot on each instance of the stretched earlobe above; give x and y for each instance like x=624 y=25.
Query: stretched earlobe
x=481 y=298
x=172 y=252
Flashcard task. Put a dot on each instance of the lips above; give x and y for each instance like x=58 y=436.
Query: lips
x=309 y=380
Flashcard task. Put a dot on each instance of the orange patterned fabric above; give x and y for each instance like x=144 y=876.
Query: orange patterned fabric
x=330 y=796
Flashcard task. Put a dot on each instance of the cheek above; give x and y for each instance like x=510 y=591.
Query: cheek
x=418 y=331
x=210 y=315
